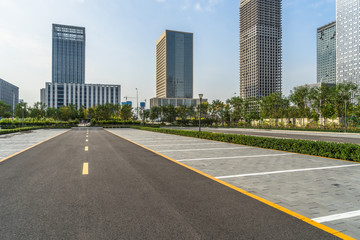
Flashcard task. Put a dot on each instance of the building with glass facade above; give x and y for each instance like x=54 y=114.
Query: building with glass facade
x=348 y=41
x=68 y=54
x=174 y=65
x=9 y=93
x=57 y=95
x=260 y=48
x=176 y=102
x=326 y=54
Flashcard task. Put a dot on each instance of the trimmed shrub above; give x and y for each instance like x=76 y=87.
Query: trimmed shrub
x=344 y=151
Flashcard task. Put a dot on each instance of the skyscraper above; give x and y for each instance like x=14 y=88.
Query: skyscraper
x=260 y=47
x=68 y=54
x=348 y=41
x=326 y=54
x=174 y=65
x=9 y=93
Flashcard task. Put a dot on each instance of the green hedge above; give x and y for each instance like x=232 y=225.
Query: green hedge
x=95 y=122
x=7 y=131
x=344 y=151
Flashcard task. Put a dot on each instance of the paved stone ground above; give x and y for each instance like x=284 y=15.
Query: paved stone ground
x=15 y=142
x=311 y=192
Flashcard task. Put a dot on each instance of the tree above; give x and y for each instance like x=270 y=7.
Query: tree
x=237 y=108
x=274 y=106
x=21 y=110
x=300 y=97
x=155 y=113
x=169 y=113
x=5 y=109
x=217 y=110
x=126 y=112
x=38 y=110
x=53 y=113
x=182 y=112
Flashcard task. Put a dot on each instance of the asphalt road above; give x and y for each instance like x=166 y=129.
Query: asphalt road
x=323 y=136
x=128 y=193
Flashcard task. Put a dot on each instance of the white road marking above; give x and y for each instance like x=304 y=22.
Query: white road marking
x=86 y=148
x=181 y=144
x=175 y=140
x=287 y=171
x=199 y=149
x=216 y=158
x=337 y=216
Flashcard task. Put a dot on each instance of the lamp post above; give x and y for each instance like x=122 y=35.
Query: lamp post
x=231 y=111
x=137 y=102
x=22 y=112
x=200 y=96
x=320 y=107
x=13 y=107
x=345 y=124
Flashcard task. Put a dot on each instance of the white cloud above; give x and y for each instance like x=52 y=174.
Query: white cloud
x=198 y=7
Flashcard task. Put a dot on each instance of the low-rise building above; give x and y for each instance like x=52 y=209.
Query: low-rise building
x=176 y=102
x=57 y=95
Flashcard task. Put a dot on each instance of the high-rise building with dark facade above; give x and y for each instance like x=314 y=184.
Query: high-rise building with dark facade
x=9 y=93
x=174 y=65
x=68 y=54
x=260 y=47
x=348 y=41
x=326 y=54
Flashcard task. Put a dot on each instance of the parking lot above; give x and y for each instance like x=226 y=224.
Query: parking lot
x=325 y=190
x=15 y=142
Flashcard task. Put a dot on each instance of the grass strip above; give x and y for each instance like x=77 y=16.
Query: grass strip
x=343 y=151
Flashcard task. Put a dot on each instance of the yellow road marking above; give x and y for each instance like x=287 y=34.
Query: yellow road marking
x=13 y=155
x=85 y=170
x=274 y=205
x=86 y=148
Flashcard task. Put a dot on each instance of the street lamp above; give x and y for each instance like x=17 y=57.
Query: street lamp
x=22 y=111
x=137 y=102
x=231 y=111
x=200 y=96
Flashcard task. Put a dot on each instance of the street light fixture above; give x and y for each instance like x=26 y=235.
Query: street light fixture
x=22 y=111
x=231 y=111
x=200 y=96
x=137 y=102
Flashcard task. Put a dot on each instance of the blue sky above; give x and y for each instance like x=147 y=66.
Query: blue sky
x=121 y=36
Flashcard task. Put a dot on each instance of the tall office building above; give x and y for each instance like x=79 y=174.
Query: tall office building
x=174 y=65
x=260 y=47
x=68 y=54
x=9 y=93
x=326 y=54
x=348 y=41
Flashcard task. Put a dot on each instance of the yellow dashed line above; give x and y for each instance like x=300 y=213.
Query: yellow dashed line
x=85 y=170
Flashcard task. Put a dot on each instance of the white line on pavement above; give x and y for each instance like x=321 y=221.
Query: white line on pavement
x=337 y=216
x=287 y=171
x=175 y=140
x=181 y=144
x=199 y=149
x=217 y=158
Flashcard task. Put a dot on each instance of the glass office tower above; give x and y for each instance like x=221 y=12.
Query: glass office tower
x=347 y=41
x=326 y=54
x=174 y=65
x=68 y=54
x=260 y=48
x=9 y=93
